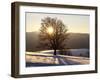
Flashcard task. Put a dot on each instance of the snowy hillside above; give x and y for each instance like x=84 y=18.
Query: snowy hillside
x=46 y=58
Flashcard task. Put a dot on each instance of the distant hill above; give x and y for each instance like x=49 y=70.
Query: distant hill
x=74 y=41
x=32 y=40
x=78 y=40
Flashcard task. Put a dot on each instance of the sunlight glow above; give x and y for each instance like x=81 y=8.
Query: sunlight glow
x=50 y=30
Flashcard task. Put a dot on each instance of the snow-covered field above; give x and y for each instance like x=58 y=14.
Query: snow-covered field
x=73 y=52
x=46 y=58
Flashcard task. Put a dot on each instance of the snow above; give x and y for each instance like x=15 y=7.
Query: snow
x=73 y=52
x=46 y=58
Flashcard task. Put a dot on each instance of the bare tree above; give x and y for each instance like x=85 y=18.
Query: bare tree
x=53 y=34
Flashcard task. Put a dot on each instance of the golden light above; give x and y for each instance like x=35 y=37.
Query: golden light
x=50 y=30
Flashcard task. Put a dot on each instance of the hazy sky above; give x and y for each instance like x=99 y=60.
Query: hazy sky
x=75 y=23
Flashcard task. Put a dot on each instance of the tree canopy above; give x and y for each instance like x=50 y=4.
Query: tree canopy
x=53 y=33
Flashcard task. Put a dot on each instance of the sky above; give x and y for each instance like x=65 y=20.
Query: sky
x=75 y=23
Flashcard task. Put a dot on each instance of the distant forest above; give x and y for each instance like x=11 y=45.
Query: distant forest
x=74 y=41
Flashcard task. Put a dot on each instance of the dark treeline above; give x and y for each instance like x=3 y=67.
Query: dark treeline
x=74 y=41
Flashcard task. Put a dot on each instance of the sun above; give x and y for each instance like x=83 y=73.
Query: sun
x=50 y=30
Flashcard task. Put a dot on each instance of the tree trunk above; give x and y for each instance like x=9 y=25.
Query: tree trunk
x=55 y=52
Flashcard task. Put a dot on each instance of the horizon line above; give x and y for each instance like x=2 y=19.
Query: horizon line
x=67 y=32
